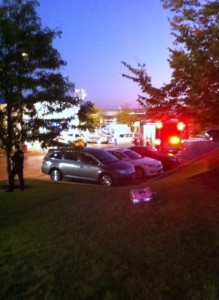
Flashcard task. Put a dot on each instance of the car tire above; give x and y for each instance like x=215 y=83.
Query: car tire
x=55 y=175
x=106 y=180
x=139 y=173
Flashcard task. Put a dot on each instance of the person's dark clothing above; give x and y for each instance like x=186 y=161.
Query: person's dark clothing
x=17 y=169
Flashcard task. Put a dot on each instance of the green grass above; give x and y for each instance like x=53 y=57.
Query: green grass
x=77 y=241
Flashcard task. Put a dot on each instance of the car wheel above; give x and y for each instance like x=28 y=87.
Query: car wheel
x=106 y=180
x=55 y=175
x=139 y=172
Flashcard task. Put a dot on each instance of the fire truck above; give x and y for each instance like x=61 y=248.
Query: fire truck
x=164 y=136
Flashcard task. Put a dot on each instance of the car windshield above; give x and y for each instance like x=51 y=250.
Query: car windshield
x=152 y=151
x=105 y=157
x=213 y=131
x=132 y=154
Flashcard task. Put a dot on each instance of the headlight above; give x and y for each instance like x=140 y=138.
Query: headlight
x=149 y=165
x=129 y=171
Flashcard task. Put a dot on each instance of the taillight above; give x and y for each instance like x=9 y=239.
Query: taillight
x=157 y=142
x=174 y=140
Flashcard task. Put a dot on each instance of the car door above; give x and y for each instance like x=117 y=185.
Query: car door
x=70 y=164
x=89 y=167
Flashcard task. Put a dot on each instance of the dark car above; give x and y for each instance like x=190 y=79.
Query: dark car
x=212 y=134
x=90 y=164
x=169 y=160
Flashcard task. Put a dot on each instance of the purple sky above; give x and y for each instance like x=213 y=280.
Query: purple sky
x=98 y=34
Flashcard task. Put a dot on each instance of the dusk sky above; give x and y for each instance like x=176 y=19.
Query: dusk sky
x=98 y=34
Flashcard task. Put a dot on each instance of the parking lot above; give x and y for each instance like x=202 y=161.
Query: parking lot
x=33 y=160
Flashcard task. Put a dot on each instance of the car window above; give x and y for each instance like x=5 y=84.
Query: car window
x=105 y=157
x=56 y=155
x=71 y=155
x=88 y=159
x=213 y=132
x=132 y=154
x=118 y=155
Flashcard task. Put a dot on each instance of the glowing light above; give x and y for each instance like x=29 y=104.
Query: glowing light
x=157 y=142
x=174 y=140
x=159 y=125
x=180 y=126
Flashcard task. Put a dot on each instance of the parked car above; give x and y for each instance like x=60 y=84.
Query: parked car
x=72 y=138
x=98 y=139
x=212 y=134
x=169 y=160
x=144 y=166
x=90 y=164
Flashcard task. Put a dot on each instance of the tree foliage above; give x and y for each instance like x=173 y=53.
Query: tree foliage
x=194 y=88
x=125 y=116
x=155 y=100
x=89 y=116
x=29 y=74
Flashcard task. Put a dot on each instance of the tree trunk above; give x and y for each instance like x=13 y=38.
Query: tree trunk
x=8 y=144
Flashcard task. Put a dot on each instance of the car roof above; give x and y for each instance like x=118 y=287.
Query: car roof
x=93 y=150
x=86 y=149
x=140 y=147
x=120 y=149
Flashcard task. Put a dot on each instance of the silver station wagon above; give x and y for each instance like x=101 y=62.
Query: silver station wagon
x=90 y=164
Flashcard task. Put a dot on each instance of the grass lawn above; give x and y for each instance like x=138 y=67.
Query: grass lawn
x=82 y=241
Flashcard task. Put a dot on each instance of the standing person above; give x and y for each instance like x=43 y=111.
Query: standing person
x=115 y=139
x=17 y=169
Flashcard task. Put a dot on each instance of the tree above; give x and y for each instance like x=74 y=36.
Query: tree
x=29 y=74
x=194 y=88
x=195 y=59
x=154 y=100
x=89 y=116
x=125 y=116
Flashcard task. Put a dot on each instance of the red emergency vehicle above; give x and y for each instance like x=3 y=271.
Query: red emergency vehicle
x=165 y=136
